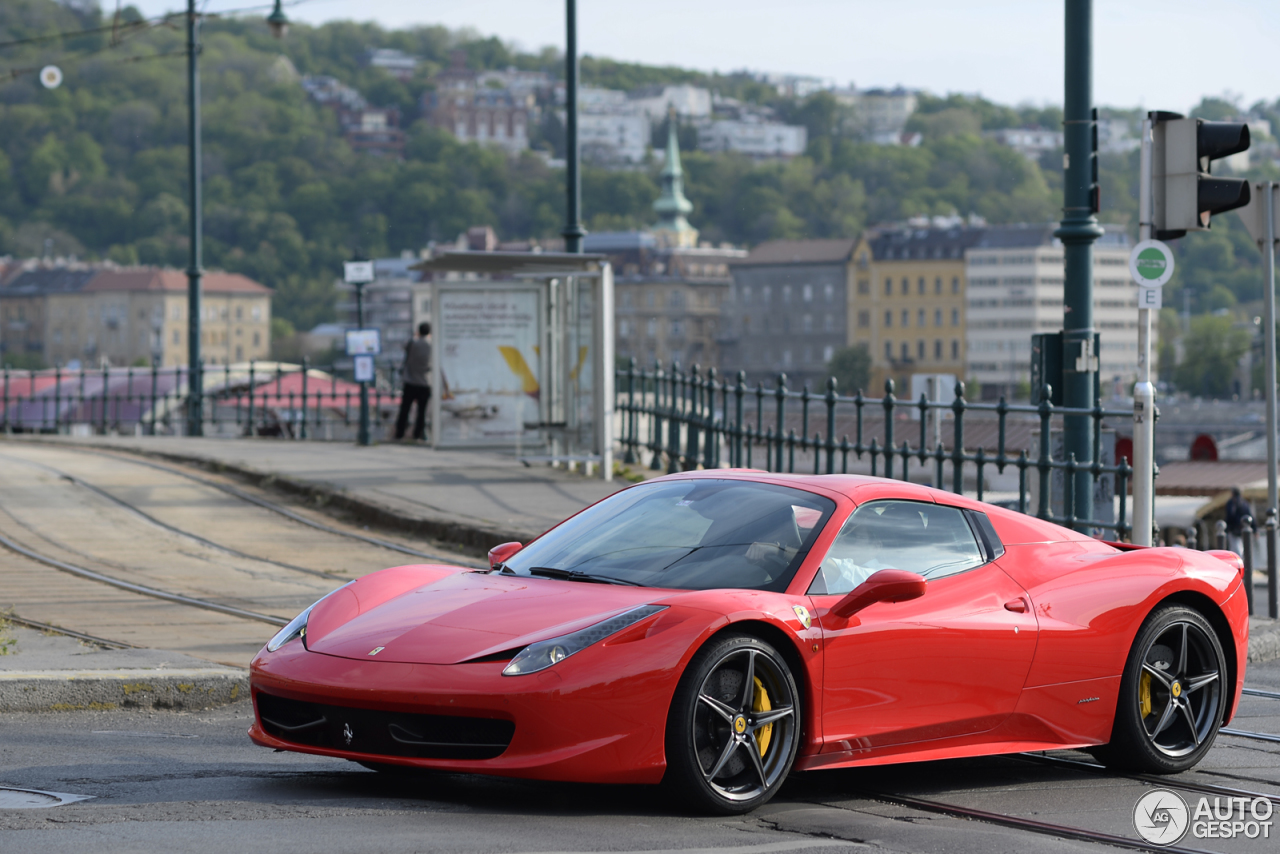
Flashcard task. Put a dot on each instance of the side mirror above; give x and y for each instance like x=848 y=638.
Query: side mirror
x=887 y=585
x=500 y=554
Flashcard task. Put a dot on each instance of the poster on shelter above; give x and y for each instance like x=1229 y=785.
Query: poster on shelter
x=488 y=366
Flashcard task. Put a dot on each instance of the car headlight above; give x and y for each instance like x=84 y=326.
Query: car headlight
x=543 y=654
x=297 y=627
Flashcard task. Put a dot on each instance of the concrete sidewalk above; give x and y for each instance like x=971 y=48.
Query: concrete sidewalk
x=43 y=671
x=475 y=498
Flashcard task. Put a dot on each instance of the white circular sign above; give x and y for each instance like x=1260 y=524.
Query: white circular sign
x=1151 y=264
x=51 y=77
x=1161 y=817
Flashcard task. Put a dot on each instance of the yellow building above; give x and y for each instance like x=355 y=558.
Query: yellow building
x=907 y=304
x=130 y=316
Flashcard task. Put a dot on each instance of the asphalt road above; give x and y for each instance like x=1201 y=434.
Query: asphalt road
x=192 y=782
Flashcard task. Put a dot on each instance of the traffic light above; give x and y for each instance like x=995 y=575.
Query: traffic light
x=1182 y=150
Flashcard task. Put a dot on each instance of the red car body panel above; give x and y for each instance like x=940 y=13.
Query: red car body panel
x=1022 y=653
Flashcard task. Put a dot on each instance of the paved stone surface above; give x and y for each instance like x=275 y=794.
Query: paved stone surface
x=479 y=490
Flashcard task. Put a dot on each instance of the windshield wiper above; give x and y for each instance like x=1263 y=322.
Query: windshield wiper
x=574 y=575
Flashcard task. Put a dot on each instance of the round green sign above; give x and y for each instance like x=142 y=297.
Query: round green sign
x=1151 y=264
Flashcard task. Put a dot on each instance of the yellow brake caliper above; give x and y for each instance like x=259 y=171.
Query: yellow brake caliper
x=1144 y=695
x=760 y=703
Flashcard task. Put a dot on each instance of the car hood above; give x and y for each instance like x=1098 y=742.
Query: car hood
x=461 y=616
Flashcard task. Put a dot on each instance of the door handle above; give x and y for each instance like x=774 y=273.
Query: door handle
x=1018 y=606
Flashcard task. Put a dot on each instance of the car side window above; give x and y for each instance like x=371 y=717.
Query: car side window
x=928 y=539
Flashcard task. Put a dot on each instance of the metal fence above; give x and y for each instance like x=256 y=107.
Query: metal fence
x=296 y=401
x=682 y=419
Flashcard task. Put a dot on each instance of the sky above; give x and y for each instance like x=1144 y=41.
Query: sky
x=1147 y=53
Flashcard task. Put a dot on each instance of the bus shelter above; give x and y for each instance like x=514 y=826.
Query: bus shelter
x=523 y=354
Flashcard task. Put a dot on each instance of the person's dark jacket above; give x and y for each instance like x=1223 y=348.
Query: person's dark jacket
x=1237 y=508
x=417 y=362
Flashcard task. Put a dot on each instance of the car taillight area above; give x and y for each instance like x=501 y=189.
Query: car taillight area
x=381 y=733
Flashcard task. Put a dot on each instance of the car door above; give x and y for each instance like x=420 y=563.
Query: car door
x=948 y=664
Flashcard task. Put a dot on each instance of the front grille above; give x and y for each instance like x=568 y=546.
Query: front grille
x=383 y=733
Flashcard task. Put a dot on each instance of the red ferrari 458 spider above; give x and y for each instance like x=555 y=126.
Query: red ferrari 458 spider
x=711 y=631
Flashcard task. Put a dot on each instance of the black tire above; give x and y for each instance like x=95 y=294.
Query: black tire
x=717 y=727
x=1172 y=696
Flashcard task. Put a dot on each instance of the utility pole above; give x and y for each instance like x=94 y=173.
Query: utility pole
x=195 y=365
x=1078 y=230
x=573 y=230
x=1144 y=392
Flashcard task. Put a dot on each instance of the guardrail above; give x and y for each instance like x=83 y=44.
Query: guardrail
x=685 y=419
x=296 y=401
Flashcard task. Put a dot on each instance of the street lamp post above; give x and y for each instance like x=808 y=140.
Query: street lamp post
x=573 y=230
x=279 y=25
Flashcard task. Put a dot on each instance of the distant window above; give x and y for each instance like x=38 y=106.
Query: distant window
x=955 y=284
x=888 y=318
x=786 y=358
x=239 y=314
x=828 y=323
x=677 y=328
x=177 y=337
x=786 y=294
x=829 y=291
x=888 y=287
x=937 y=317
x=626 y=299
x=920 y=350
x=808 y=355
x=808 y=323
x=257 y=339
x=651 y=327
x=906 y=318
x=767 y=293
x=906 y=285
x=937 y=285
x=807 y=293
x=920 y=317
x=624 y=328
x=937 y=349
x=257 y=313
x=955 y=317
x=888 y=350
x=920 y=286
x=955 y=349
x=827 y=352
x=746 y=294
x=864 y=319
x=906 y=351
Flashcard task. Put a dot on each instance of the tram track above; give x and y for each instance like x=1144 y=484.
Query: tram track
x=131 y=459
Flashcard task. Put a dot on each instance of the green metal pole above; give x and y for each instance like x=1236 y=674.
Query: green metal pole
x=573 y=230
x=195 y=373
x=1077 y=232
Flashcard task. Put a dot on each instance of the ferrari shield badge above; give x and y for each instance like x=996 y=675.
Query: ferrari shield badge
x=376 y=650
x=802 y=614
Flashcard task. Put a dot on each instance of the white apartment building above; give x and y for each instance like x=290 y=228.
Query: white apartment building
x=1014 y=280
x=690 y=102
x=611 y=137
x=880 y=115
x=1029 y=142
x=753 y=138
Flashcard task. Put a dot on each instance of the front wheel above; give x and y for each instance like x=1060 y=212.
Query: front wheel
x=1172 y=696
x=734 y=727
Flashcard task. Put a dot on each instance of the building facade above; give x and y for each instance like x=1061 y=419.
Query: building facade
x=907 y=305
x=1015 y=279
x=474 y=111
x=786 y=310
x=127 y=316
x=757 y=139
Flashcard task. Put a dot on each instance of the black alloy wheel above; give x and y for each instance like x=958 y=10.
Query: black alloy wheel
x=1172 y=696
x=734 y=727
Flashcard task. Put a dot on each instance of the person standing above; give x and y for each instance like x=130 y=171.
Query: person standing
x=1236 y=511
x=416 y=372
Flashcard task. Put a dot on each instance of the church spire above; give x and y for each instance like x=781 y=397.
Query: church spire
x=672 y=207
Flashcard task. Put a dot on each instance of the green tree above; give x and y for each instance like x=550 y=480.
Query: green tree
x=851 y=368
x=1213 y=348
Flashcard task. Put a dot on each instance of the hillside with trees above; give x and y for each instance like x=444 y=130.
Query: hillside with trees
x=97 y=167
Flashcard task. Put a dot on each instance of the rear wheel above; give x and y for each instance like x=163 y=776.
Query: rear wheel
x=1172 y=695
x=734 y=727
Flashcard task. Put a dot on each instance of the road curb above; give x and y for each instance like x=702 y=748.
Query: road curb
x=1264 y=640
x=139 y=688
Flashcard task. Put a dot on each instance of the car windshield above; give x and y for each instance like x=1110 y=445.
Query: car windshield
x=685 y=534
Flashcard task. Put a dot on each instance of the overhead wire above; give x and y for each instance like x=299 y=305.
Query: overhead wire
x=134 y=28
